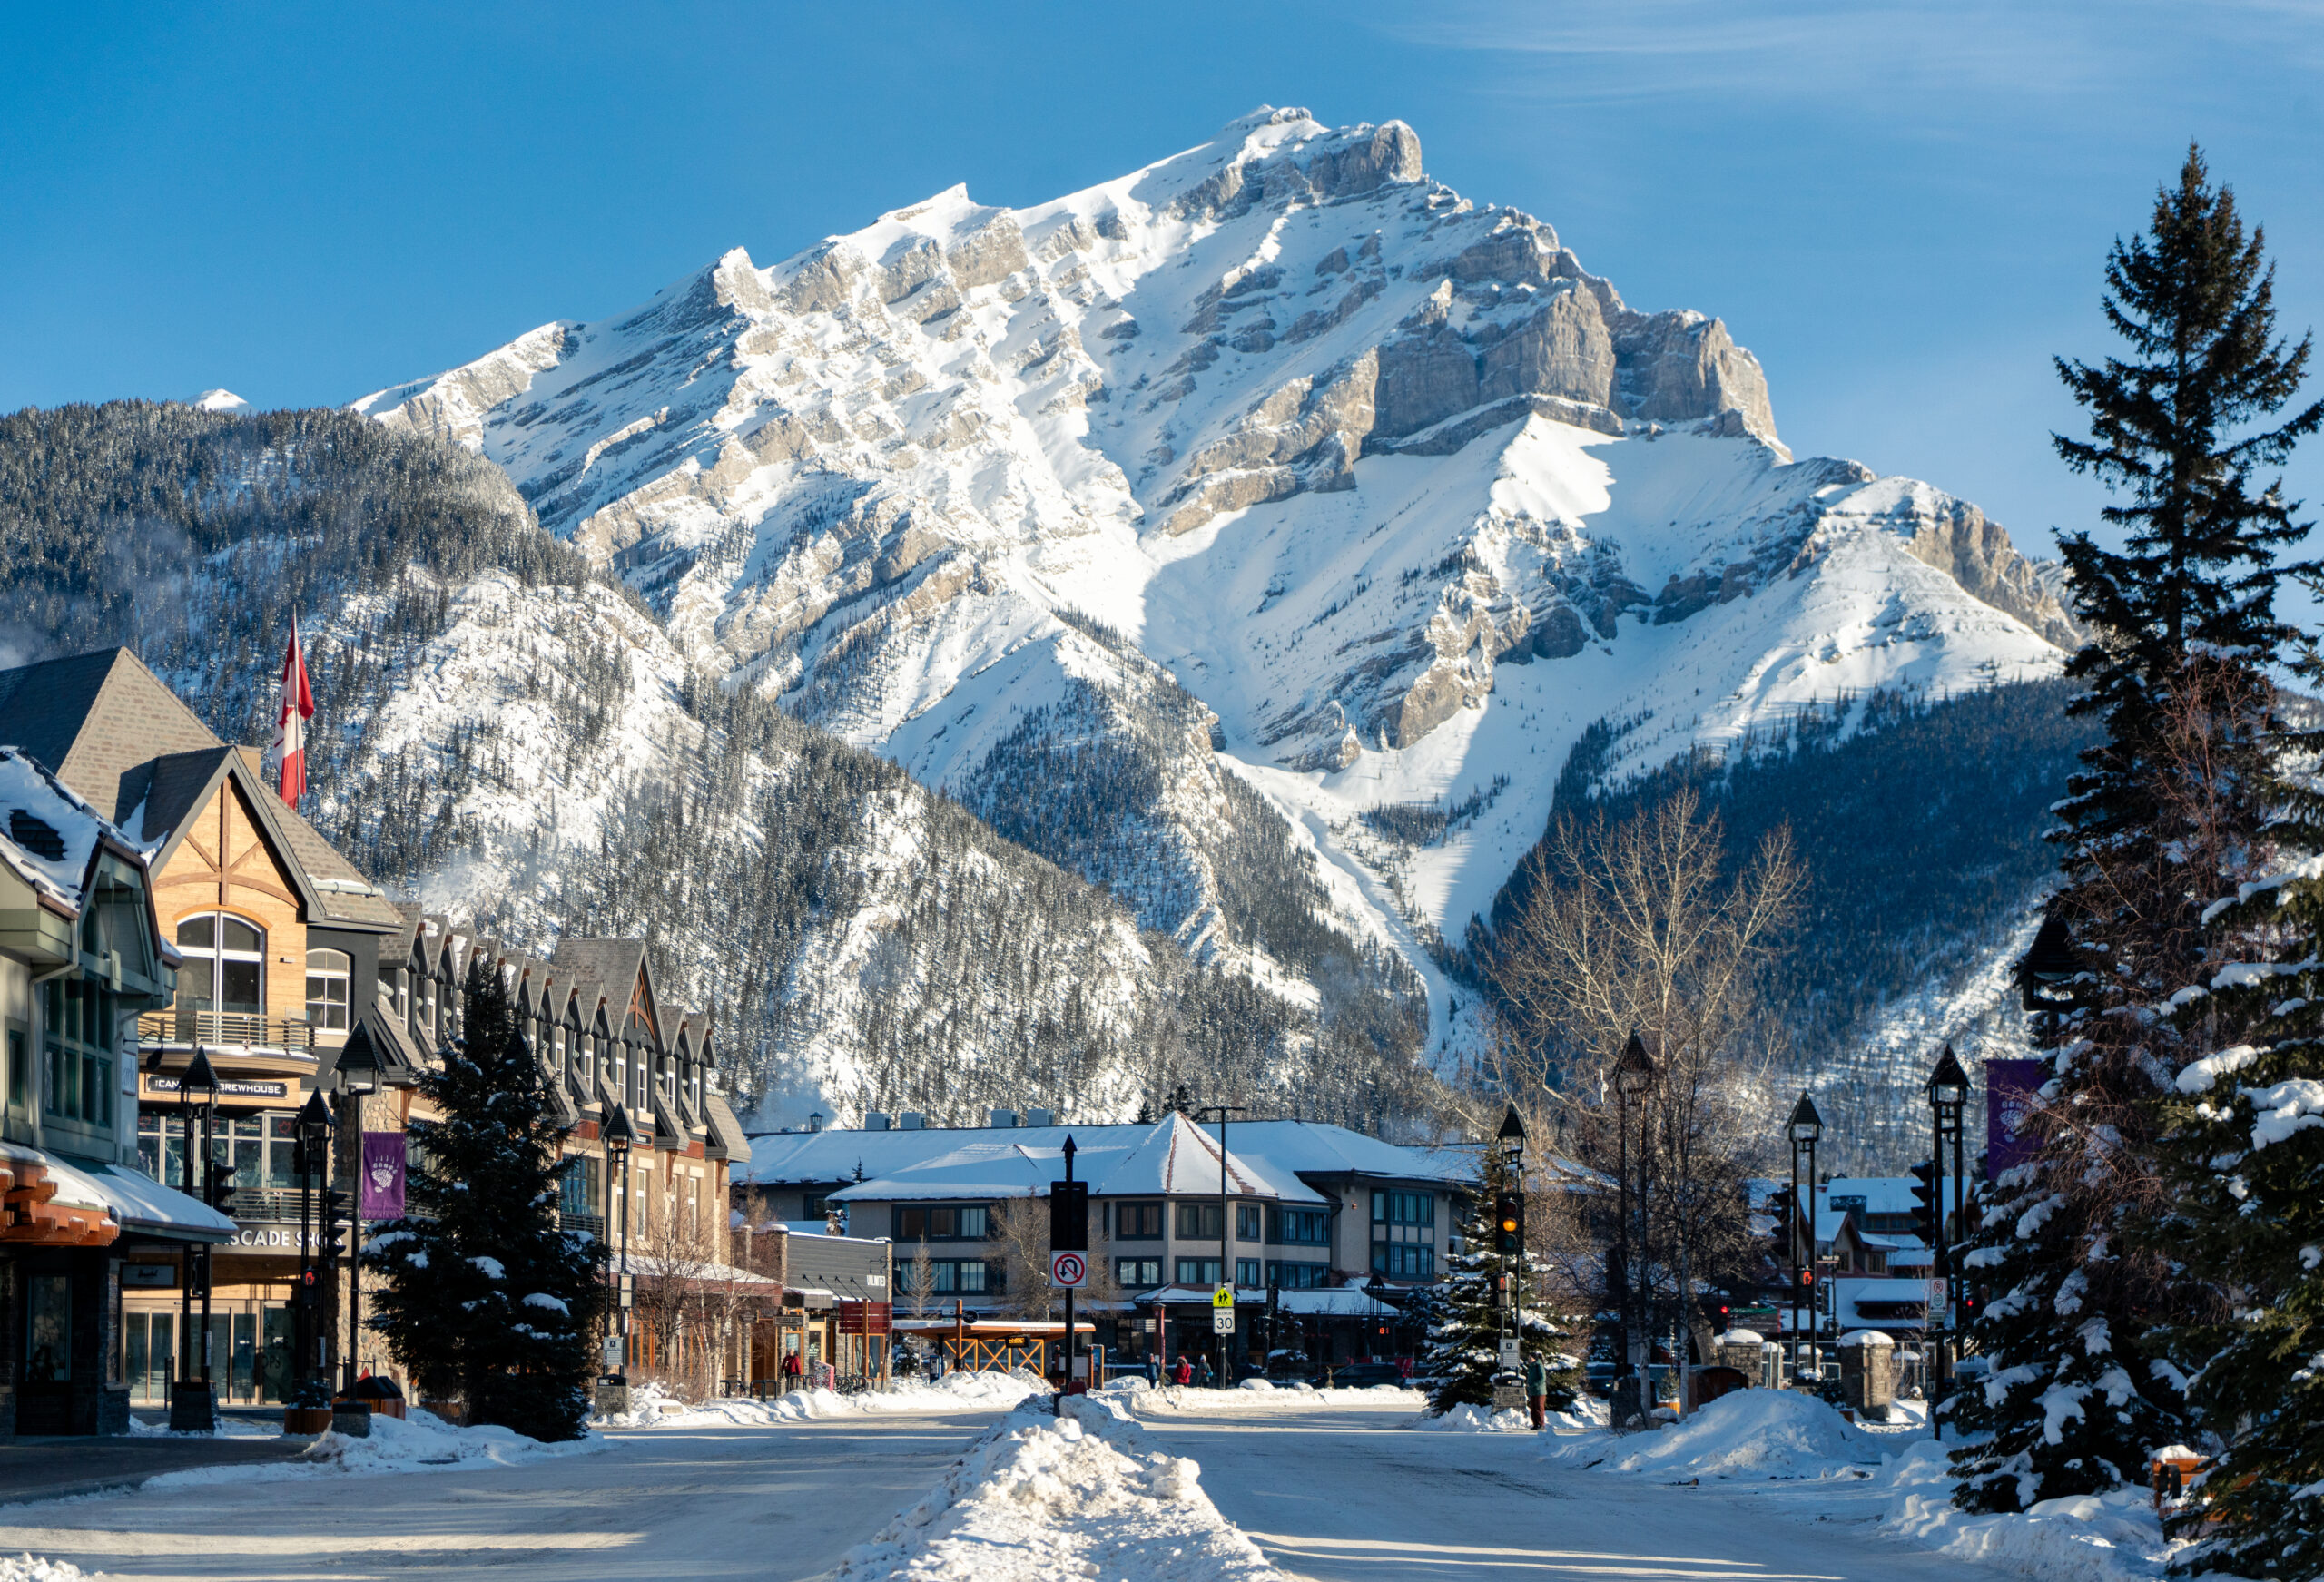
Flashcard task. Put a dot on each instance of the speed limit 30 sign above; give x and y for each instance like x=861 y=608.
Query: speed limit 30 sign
x=1070 y=1270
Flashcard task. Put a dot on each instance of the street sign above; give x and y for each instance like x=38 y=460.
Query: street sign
x=1070 y=1270
x=612 y=1353
x=1222 y=1321
x=1510 y=1357
x=1223 y=1297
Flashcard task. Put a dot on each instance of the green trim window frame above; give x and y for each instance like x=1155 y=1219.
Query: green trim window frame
x=1298 y=1276
x=1403 y=1260
x=942 y=1222
x=20 y=1058
x=1248 y=1219
x=1137 y=1273
x=1299 y=1227
x=1247 y=1272
x=1135 y=1222
x=1198 y=1270
x=1199 y=1222
x=78 y=1022
x=579 y=1189
x=953 y=1277
x=1403 y=1208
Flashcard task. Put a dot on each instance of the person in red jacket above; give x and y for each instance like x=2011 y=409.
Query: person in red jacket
x=1185 y=1373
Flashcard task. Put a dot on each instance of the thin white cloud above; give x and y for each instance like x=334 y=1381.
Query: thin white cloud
x=1646 y=50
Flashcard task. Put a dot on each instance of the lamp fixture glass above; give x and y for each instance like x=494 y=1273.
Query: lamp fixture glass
x=1948 y=1085
x=1805 y=1125
x=1634 y=1072
x=201 y=1079
x=314 y=1118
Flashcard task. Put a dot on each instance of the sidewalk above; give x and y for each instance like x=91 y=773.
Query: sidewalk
x=57 y=1466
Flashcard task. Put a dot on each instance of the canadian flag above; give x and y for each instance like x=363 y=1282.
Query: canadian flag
x=289 y=748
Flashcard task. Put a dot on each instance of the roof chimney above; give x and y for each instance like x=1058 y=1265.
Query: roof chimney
x=1040 y=1118
x=910 y=1121
x=875 y=1120
x=1004 y=1117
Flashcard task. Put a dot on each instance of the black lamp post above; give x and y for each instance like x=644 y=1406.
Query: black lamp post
x=358 y=1078
x=619 y=1134
x=1948 y=1092
x=1225 y=1228
x=315 y=1125
x=1633 y=1080
x=2045 y=972
x=1805 y=1127
x=197 y=1091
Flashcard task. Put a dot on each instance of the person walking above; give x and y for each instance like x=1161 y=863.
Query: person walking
x=1203 y=1377
x=791 y=1370
x=1537 y=1390
x=1154 y=1368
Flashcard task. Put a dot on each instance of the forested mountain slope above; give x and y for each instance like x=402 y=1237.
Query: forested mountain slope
x=1273 y=484
x=509 y=736
x=1919 y=823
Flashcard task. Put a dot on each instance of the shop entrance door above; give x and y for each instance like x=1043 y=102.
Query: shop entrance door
x=274 y=1361
x=44 y=1399
x=153 y=1356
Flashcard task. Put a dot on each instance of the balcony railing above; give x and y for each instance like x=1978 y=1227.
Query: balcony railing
x=587 y=1224
x=190 y=1025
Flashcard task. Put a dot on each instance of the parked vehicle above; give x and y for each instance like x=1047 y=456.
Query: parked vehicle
x=1362 y=1375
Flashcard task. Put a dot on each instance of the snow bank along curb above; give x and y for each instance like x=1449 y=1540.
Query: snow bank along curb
x=1081 y=1495
x=1172 y=1398
x=26 y=1569
x=651 y=1408
x=423 y=1443
x=1783 y=1438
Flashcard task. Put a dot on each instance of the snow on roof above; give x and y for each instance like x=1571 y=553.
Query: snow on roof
x=141 y=1202
x=1169 y=1155
x=1172 y=1155
x=47 y=835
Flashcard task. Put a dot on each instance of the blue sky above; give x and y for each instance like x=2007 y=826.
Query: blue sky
x=1903 y=210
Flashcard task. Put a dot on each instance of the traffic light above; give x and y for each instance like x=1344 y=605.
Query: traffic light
x=1719 y=1311
x=1509 y=1223
x=1973 y=1304
x=218 y=1182
x=334 y=1232
x=1924 y=1213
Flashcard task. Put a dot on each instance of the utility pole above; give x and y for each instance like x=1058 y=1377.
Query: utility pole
x=1068 y=1254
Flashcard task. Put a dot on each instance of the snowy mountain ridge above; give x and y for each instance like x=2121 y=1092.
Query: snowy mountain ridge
x=1263 y=486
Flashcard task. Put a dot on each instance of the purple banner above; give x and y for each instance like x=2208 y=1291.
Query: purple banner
x=381 y=1197
x=2011 y=1086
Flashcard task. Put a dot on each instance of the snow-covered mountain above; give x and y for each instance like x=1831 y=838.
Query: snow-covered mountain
x=1178 y=524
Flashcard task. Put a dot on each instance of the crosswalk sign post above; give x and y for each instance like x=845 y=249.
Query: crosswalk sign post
x=1221 y=1311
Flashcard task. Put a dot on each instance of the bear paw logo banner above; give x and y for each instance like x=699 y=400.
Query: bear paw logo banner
x=2013 y=1089
x=384 y=1158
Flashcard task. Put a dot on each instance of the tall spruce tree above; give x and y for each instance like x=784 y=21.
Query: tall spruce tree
x=484 y=1297
x=2169 y=810
x=1463 y=1348
x=2246 y=1144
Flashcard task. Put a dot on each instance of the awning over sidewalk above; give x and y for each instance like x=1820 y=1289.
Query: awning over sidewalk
x=142 y=1205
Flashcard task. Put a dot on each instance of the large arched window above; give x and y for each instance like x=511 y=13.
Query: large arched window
x=225 y=964
x=327 y=992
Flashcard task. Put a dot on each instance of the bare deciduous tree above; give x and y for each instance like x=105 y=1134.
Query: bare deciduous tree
x=1637 y=928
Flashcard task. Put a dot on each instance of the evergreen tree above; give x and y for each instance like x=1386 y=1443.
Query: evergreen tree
x=2244 y=1152
x=1464 y=1321
x=483 y=1296
x=2170 y=811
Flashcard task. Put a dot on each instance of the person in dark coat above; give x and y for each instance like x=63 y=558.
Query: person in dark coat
x=1537 y=1390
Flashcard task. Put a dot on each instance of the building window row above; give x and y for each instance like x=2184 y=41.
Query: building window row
x=1299 y=1227
x=949 y=1276
x=1299 y=1276
x=1135 y=1221
x=1403 y=1208
x=942 y=1223
x=1403 y=1260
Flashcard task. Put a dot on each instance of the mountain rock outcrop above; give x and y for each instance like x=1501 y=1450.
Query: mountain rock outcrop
x=1374 y=494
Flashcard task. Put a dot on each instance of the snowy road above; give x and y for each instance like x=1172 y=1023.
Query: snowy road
x=1343 y=1493
x=771 y=1504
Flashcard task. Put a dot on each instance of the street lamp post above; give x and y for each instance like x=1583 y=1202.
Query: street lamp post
x=619 y=1134
x=197 y=1091
x=358 y=1078
x=1948 y=1092
x=1634 y=1080
x=315 y=1125
x=1805 y=1127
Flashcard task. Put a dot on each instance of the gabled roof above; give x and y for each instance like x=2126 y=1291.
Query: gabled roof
x=1315 y=1148
x=48 y=837
x=95 y=717
x=725 y=1132
x=1171 y=1156
x=124 y=741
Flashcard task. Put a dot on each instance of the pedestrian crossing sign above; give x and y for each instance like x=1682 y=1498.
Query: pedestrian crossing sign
x=1223 y=1297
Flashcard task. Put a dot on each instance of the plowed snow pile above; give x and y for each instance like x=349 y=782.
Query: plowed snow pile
x=1761 y=1433
x=650 y=1408
x=1041 y=1498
